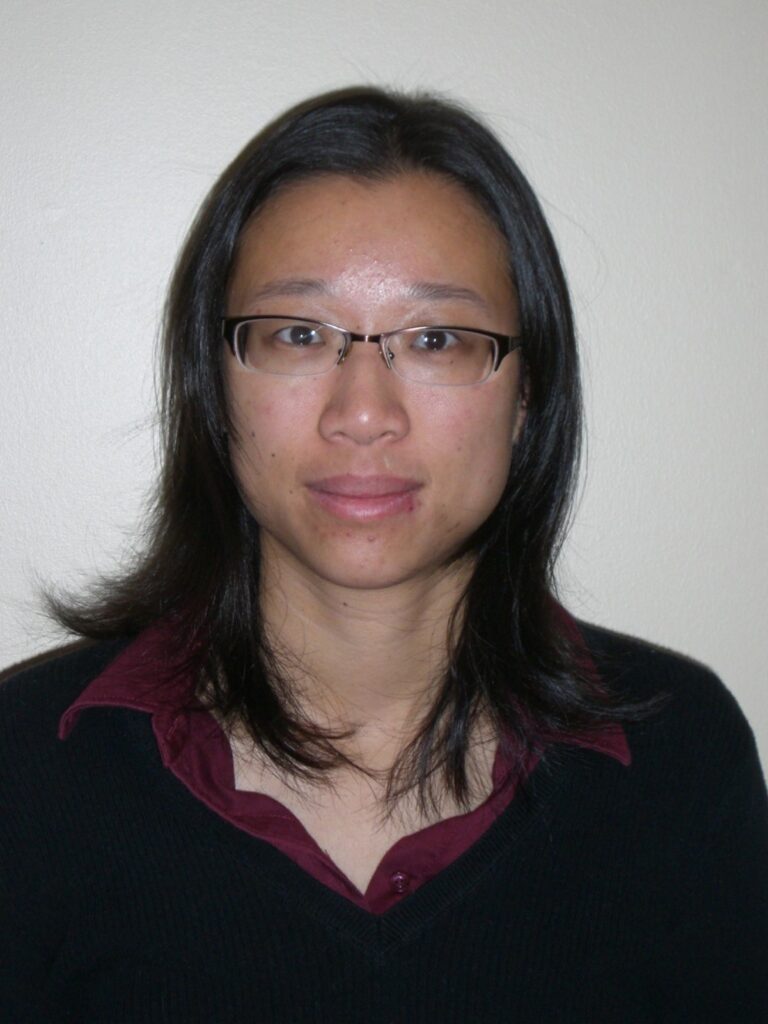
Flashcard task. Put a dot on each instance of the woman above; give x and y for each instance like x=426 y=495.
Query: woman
x=337 y=753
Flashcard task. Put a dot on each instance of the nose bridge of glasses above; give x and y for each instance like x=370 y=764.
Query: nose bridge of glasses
x=372 y=339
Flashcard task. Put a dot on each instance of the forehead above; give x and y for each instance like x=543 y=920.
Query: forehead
x=348 y=232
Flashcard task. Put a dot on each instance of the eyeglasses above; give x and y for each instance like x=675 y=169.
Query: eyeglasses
x=295 y=347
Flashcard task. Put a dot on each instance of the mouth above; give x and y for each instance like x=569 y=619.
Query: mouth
x=364 y=498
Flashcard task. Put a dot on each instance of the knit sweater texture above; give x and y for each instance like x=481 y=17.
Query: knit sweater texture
x=602 y=894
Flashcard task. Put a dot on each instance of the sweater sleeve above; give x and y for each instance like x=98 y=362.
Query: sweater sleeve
x=32 y=911
x=716 y=950
x=26 y=953
x=36 y=796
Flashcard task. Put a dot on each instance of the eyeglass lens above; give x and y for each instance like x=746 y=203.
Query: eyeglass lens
x=427 y=355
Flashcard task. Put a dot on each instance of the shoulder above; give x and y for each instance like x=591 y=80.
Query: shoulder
x=695 y=711
x=33 y=700
x=48 y=786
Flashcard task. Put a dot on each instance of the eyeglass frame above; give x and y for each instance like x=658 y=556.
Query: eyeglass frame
x=505 y=343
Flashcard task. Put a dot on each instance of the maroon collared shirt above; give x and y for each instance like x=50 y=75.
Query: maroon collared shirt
x=194 y=747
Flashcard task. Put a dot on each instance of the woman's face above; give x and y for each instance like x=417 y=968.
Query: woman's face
x=358 y=477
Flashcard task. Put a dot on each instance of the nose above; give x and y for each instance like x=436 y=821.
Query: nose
x=365 y=400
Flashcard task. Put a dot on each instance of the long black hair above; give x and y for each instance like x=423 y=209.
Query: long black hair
x=509 y=655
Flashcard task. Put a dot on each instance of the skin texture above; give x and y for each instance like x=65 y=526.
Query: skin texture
x=370 y=243
x=359 y=596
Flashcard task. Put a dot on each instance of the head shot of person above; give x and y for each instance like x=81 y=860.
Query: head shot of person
x=333 y=748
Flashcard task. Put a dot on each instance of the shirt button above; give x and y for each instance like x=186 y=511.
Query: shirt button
x=400 y=881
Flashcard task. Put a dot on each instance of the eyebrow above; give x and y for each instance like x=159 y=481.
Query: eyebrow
x=440 y=292
x=289 y=286
x=429 y=290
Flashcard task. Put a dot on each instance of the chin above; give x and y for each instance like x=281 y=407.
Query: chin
x=361 y=576
x=391 y=566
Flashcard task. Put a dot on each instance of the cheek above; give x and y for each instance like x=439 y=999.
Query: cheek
x=248 y=440
x=473 y=446
x=262 y=410
x=477 y=438
x=264 y=430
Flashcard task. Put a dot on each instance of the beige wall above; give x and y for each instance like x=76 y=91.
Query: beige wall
x=642 y=124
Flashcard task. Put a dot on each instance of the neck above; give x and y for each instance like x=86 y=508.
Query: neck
x=366 y=660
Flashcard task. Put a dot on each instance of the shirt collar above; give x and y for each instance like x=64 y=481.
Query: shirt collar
x=145 y=676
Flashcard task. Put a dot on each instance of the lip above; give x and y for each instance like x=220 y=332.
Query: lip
x=364 y=498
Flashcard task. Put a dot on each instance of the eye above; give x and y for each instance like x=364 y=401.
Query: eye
x=434 y=339
x=300 y=335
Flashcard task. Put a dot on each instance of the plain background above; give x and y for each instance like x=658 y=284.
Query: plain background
x=642 y=125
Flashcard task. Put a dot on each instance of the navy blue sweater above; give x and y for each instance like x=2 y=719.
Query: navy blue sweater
x=603 y=894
